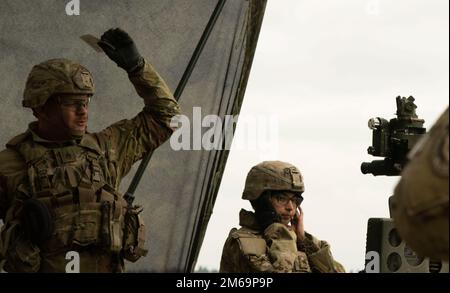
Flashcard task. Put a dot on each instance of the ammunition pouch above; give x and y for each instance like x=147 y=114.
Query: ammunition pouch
x=274 y=251
x=134 y=235
x=92 y=222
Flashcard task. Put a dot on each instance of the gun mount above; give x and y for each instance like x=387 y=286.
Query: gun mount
x=394 y=139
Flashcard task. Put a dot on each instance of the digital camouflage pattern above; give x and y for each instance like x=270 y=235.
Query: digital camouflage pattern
x=420 y=202
x=274 y=250
x=77 y=181
x=56 y=76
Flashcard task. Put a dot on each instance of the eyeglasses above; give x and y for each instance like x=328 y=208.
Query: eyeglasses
x=283 y=199
x=74 y=104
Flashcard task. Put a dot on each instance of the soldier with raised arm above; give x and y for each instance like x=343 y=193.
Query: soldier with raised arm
x=59 y=183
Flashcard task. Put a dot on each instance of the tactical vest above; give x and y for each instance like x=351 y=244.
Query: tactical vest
x=74 y=184
x=261 y=256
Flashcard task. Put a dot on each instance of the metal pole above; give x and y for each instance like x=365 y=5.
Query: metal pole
x=129 y=195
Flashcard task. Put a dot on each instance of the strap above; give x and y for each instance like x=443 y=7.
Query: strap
x=296 y=178
x=140 y=250
x=116 y=226
x=42 y=174
x=96 y=173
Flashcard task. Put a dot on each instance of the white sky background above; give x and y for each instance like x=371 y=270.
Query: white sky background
x=322 y=69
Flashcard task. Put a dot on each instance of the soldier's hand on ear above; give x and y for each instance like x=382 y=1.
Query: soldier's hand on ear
x=121 y=49
x=297 y=224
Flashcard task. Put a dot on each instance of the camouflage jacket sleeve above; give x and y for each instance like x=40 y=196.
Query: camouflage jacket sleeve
x=319 y=255
x=130 y=140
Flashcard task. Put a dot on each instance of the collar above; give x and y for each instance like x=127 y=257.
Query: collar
x=247 y=219
x=87 y=140
x=32 y=127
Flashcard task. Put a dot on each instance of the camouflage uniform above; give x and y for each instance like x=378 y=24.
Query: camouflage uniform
x=274 y=249
x=420 y=202
x=76 y=182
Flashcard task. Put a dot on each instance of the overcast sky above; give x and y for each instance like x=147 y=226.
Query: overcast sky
x=321 y=70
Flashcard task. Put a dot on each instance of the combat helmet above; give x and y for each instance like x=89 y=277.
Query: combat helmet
x=56 y=76
x=272 y=175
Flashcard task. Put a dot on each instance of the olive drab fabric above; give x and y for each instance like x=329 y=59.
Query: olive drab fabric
x=272 y=175
x=282 y=249
x=274 y=250
x=56 y=76
x=77 y=182
x=420 y=201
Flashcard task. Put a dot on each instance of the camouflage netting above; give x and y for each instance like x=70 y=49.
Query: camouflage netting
x=179 y=188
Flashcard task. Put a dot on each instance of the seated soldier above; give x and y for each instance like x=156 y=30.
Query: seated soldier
x=273 y=239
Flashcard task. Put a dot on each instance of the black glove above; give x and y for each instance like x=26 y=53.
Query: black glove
x=120 y=48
